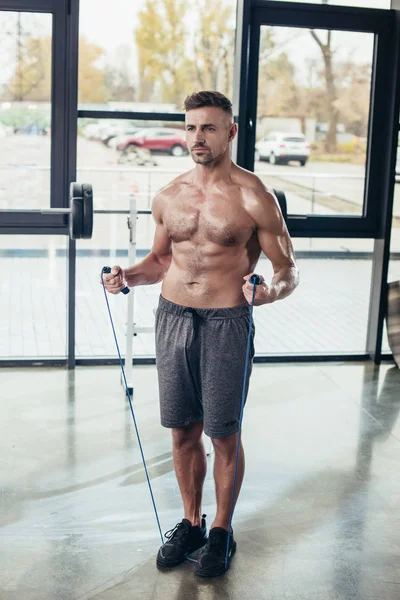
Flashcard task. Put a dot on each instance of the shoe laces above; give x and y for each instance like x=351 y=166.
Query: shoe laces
x=178 y=532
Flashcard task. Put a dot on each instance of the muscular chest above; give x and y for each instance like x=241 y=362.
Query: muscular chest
x=219 y=222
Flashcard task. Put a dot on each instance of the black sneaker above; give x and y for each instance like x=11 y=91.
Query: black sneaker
x=212 y=560
x=183 y=539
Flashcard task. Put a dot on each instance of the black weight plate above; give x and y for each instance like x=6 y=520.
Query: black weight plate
x=76 y=217
x=280 y=196
x=87 y=211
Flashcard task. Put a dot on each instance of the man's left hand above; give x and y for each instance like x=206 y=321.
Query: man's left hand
x=265 y=294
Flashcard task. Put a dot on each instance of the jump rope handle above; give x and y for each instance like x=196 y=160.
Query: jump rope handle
x=126 y=290
x=255 y=279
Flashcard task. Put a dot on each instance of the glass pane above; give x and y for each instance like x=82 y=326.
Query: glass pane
x=33 y=305
x=147 y=56
x=109 y=246
x=328 y=312
x=120 y=158
x=312 y=117
x=25 y=109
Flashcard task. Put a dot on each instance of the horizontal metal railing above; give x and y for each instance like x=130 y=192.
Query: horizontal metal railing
x=308 y=192
x=94 y=169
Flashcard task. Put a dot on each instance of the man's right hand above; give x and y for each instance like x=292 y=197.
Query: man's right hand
x=115 y=281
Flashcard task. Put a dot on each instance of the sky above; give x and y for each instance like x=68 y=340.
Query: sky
x=114 y=24
x=116 y=20
x=302 y=48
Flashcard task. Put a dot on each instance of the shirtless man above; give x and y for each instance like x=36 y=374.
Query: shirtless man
x=211 y=225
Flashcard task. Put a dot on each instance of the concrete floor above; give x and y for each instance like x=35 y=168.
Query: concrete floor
x=318 y=517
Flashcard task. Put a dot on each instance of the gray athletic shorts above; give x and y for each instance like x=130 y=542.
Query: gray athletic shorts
x=201 y=355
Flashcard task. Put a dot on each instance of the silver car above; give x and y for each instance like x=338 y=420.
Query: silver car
x=280 y=148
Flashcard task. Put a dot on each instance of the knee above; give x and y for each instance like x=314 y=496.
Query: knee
x=226 y=446
x=185 y=437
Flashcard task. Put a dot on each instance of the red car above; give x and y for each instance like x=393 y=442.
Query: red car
x=171 y=141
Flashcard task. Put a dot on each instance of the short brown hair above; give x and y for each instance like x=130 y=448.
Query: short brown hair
x=201 y=99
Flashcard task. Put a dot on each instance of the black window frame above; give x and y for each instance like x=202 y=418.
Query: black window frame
x=381 y=162
x=63 y=116
x=378 y=169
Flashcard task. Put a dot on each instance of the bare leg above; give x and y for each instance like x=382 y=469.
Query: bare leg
x=190 y=467
x=224 y=468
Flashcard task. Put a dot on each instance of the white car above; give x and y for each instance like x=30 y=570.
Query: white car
x=5 y=130
x=280 y=148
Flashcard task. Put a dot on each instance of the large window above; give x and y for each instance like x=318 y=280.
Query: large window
x=325 y=74
x=313 y=88
x=146 y=56
x=25 y=109
x=36 y=107
x=313 y=115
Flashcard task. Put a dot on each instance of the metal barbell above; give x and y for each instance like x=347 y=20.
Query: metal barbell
x=80 y=211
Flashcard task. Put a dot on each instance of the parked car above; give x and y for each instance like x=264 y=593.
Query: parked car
x=280 y=148
x=6 y=130
x=114 y=132
x=171 y=141
x=94 y=131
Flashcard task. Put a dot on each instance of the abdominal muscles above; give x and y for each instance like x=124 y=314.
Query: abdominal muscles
x=210 y=274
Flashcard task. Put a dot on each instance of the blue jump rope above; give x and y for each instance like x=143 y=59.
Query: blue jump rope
x=255 y=280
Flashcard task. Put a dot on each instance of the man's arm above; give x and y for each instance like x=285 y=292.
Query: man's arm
x=153 y=267
x=276 y=244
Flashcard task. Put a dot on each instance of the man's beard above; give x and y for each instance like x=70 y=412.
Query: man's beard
x=207 y=158
x=203 y=159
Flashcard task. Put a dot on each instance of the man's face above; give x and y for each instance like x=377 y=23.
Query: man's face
x=209 y=131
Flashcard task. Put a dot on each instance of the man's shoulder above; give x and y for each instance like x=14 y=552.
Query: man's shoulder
x=251 y=185
x=260 y=203
x=168 y=193
x=174 y=186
